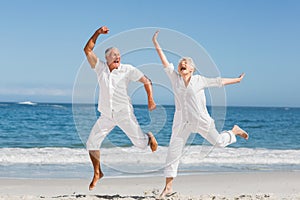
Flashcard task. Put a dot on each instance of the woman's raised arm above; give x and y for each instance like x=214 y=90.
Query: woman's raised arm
x=160 y=52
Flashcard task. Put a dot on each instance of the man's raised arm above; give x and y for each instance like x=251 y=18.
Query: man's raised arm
x=88 y=49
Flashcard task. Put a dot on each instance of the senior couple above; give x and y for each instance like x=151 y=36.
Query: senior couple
x=114 y=104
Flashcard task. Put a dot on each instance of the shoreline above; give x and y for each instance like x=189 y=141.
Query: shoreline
x=262 y=185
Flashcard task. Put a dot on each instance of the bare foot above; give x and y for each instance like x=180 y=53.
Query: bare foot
x=240 y=132
x=152 y=142
x=96 y=178
x=166 y=193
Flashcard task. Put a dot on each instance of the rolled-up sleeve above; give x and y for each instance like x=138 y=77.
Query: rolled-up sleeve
x=211 y=82
x=171 y=72
x=99 y=67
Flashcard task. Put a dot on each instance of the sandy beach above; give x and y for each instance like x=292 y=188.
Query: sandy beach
x=262 y=185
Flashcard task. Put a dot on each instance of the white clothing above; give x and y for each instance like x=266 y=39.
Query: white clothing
x=126 y=120
x=113 y=86
x=115 y=106
x=191 y=115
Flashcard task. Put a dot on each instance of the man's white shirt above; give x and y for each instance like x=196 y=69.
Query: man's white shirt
x=113 y=95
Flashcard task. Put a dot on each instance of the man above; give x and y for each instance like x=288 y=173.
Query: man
x=114 y=102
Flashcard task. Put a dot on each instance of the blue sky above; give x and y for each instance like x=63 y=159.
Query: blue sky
x=42 y=43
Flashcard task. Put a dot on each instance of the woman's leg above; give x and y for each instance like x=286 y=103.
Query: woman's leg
x=168 y=190
x=179 y=136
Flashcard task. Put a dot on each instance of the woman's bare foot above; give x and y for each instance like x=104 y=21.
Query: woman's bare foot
x=96 y=178
x=166 y=193
x=240 y=132
x=152 y=142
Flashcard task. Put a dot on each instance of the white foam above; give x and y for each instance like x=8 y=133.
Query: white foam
x=27 y=103
x=241 y=156
x=58 y=106
x=42 y=156
x=193 y=155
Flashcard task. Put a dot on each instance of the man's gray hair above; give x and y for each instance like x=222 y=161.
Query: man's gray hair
x=107 y=51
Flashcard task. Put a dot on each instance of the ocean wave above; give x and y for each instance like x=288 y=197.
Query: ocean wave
x=192 y=155
x=27 y=103
x=253 y=126
x=58 y=106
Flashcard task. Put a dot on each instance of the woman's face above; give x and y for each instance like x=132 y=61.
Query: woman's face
x=184 y=68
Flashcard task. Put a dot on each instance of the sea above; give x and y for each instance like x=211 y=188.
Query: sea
x=47 y=140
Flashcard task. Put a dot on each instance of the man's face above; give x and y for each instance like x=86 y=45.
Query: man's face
x=113 y=59
x=185 y=68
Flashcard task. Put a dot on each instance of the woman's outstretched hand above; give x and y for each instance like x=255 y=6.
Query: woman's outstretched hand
x=241 y=77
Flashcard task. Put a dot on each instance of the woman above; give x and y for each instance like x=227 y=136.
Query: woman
x=191 y=114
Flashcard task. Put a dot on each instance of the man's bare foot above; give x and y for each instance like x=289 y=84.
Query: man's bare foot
x=240 y=132
x=96 y=178
x=166 y=193
x=152 y=142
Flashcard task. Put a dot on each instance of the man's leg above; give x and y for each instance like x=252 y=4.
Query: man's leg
x=240 y=132
x=99 y=131
x=126 y=120
x=98 y=174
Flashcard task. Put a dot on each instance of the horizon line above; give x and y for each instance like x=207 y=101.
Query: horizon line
x=253 y=106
